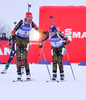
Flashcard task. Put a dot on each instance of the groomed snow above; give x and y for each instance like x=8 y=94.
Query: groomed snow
x=39 y=89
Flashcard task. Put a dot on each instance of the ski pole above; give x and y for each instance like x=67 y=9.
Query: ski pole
x=52 y=20
x=4 y=44
x=40 y=52
x=29 y=5
x=70 y=65
x=15 y=23
x=46 y=63
x=54 y=23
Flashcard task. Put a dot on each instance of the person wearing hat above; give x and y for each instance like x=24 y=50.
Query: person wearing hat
x=3 y=37
x=58 y=41
x=21 y=39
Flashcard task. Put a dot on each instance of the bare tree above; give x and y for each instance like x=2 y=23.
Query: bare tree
x=5 y=28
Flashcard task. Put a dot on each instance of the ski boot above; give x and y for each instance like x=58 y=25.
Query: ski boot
x=28 y=76
x=5 y=70
x=54 y=76
x=62 y=76
x=19 y=78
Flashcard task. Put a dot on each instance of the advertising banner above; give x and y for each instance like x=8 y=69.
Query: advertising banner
x=32 y=54
x=71 y=20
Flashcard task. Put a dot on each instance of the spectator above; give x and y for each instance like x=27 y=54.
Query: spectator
x=3 y=37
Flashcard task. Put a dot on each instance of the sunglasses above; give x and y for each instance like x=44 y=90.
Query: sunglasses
x=29 y=19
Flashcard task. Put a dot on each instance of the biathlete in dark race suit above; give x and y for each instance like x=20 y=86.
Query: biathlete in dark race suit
x=57 y=49
x=12 y=53
x=23 y=29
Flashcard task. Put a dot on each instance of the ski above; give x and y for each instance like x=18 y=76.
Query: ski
x=52 y=81
x=27 y=80
x=16 y=80
x=23 y=80
x=2 y=72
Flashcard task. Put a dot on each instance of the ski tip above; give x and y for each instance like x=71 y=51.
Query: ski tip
x=2 y=73
x=16 y=80
x=13 y=81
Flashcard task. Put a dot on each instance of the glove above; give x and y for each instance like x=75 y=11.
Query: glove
x=65 y=43
x=45 y=32
x=14 y=38
x=40 y=45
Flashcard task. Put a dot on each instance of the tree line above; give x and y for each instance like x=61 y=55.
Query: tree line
x=4 y=28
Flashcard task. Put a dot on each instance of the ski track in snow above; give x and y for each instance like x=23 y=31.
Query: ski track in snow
x=39 y=89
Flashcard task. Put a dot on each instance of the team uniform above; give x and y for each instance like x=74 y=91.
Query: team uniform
x=23 y=29
x=57 y=49
x=12 y=53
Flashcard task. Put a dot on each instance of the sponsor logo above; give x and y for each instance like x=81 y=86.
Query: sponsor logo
x=33 y=43
x=68 y=32
x=26 y=28
x=5 y=51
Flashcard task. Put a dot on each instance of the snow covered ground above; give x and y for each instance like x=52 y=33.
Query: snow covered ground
x=39 y=89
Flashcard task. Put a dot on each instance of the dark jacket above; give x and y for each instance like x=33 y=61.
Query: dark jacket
x=5 y=38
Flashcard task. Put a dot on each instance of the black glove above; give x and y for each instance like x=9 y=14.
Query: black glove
x=65 y=43
x=14 y=38
x=40 y=45
x=45 y=32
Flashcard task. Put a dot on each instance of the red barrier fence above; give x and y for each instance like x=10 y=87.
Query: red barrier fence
x=32 y=54
x=71 y=20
